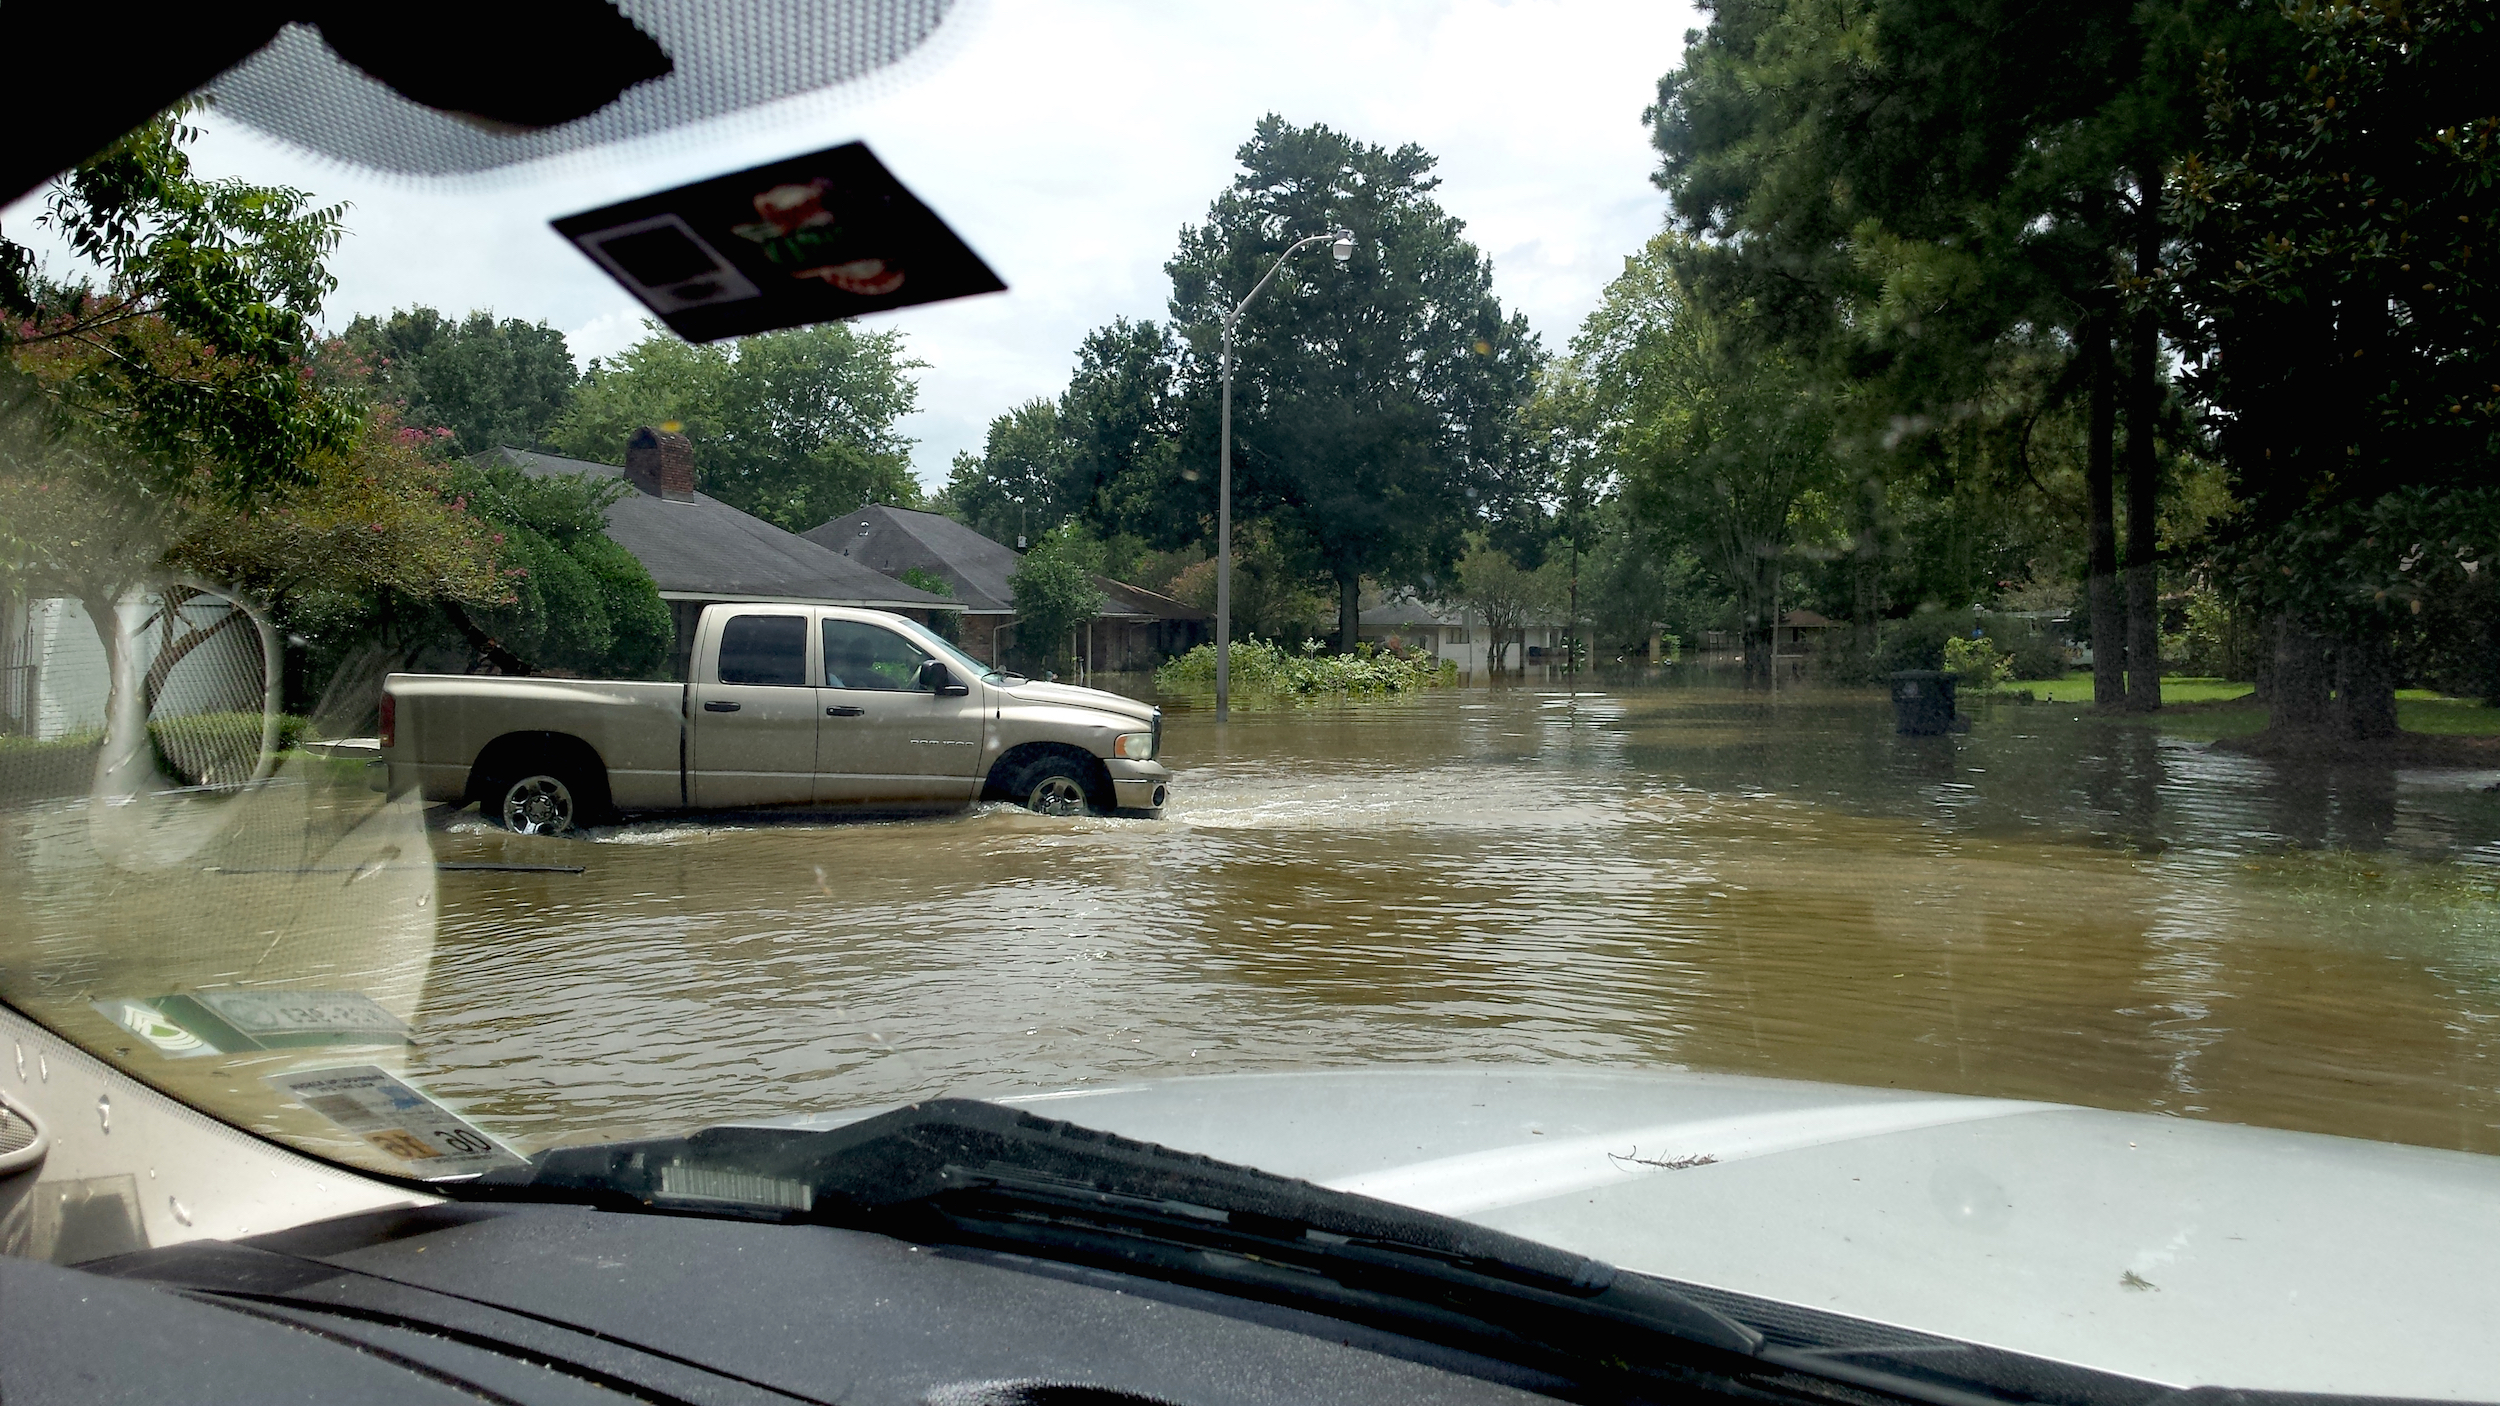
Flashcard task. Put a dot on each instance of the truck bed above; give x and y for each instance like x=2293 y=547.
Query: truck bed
x=445 y=720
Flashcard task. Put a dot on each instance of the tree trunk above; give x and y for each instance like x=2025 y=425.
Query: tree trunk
x=1761 y=631
x=2109 y=631
x=125 y=764
x=1571 y=641
x=2143 y=465
x=1349 y=611
x=2365 y=688
x=2299 y=678
x=1866 y=576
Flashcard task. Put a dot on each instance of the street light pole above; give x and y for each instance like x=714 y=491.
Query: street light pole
x=1342 y=245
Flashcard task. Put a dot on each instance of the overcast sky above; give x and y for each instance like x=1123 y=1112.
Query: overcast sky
x=1068 y=141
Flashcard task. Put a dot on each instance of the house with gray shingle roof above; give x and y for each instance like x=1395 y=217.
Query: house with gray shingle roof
x=699 y=550
x=1136 y=628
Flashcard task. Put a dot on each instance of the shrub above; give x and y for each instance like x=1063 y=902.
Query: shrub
x=2034 y=653
x=2010 y=647
x=1977 y=661
x=1918 y=642
x=1263 y=669
x=217 y=748
x=196 y=749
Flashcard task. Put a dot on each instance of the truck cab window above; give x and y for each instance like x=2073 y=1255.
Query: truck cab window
x=860 y=655
x=764 y=649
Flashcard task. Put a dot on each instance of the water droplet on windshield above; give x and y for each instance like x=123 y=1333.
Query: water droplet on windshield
x=181 y=1212
x=104 y=1111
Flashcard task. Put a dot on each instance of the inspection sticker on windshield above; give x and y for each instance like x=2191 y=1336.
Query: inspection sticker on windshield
x=147 y=1020
x=399 y=1121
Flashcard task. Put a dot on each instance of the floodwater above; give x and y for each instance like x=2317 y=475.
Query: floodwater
x=2047 y=907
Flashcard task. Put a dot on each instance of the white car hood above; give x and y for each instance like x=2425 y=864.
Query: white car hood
x=2180 y=1251
x=1040 y=692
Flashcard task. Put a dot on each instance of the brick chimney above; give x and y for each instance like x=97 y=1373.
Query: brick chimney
x=661 y=465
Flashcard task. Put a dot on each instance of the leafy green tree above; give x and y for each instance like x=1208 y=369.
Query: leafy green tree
x=1015 y=490
x=796 y=427
x=578 y=602
x=186 y=356
x=1106 y=452
x=2339 y=215
x=1373 y=403
x=1054 y=594
x=1502 y=594
x=1629 y=590
x=1277 y=591
x=557 y=595
x=171 y=416
x=1121 y=417
x=490 y=383
x=948 y=625
x=1720 y=436
x=1566 y=479
x=1921 y=197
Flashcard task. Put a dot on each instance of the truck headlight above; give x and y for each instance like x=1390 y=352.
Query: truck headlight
x=1134 y=746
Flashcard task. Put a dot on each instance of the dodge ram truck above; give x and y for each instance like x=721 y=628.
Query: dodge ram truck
x=783 y=706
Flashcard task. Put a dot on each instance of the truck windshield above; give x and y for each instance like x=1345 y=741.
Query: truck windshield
x=956 y=659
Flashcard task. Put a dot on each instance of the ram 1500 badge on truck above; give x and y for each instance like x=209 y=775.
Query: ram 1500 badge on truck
x=784 y=705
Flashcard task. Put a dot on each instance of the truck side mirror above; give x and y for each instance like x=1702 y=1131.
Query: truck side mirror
x=935 y=678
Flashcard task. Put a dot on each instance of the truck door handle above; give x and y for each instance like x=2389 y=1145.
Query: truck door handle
x=844 y=712
x=717 y=707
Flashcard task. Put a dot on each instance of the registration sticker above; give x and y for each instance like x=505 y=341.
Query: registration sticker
x=275 y=1019
x=183 y=1025
x=398 y=1121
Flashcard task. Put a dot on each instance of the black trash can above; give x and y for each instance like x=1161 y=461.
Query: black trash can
x=1922 y=702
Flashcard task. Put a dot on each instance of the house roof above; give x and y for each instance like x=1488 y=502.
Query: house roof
x=703 y=549
x=1120 y=599
x=1804 y=620
x=896 y=540
x=1410 y=611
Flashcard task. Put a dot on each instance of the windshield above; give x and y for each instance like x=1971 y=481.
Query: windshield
x=1791 y=641
x=955 y=658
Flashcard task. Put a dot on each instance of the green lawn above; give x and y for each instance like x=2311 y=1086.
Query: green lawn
x=2417 y=709
x=2420 y=710
x=2077 y=688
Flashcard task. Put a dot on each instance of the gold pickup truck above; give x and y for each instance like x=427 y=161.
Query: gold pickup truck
x=785 y=705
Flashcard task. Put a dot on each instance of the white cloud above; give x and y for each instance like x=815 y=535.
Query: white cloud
x=1068 y=142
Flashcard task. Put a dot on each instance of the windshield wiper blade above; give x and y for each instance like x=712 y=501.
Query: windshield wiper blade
x=960 y=1171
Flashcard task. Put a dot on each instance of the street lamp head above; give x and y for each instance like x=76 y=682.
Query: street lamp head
x=1344 y=247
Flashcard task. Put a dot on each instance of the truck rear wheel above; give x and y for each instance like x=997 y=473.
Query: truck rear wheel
x=541 y=804
x=1056 y=786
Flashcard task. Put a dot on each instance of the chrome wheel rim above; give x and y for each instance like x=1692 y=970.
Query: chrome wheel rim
x=539 y=805
x=1057 y=795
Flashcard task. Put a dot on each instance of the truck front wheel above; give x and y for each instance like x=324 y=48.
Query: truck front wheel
x=544 y=804
x=1055 y=785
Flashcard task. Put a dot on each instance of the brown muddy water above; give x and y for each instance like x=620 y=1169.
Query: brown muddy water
x=2047 y=907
